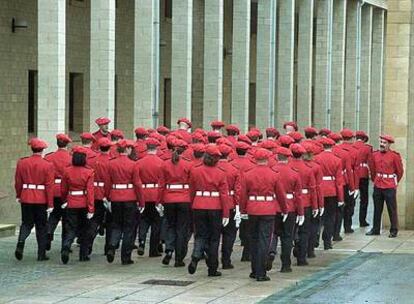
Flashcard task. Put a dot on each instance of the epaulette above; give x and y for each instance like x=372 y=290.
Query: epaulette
x=294 y=169
x=308 y=164
x=24 y=157
x=395 y=152
x=221 y=168
x=50 y=153
x=185 y=158
x=112 y=158
x=275 y=170
x=235 y=165
x=198 y=165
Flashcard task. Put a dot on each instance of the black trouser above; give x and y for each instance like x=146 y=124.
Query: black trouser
x=124 y=217
x=150 y=218
x=331 y=206
x=76 y=222
x=349 y=209
x=207 y=224
x=244 y=234
x=229 y=236
x=98 y=219
x=57 y=215
x=178 y=220
x=34 y=215
x=304 y=236
x=285 y=231
x=363 y=199
x=339 y=214
x=314 y=226
x=108 y=230
x=389 y=196
x=261 y=230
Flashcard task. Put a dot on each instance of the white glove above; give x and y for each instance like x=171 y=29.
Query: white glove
x=237 y=218
x=141 y=209
x=107 y=205
x=18 y=200
x=160 y=209
x=351 y=193
x=244 y=216
x=356 y=194
x=89 y=215
x=64 y=205
x=49 y=211
x=315 y=212
x=340 y=204
x=225 y=221
x=300 y=219
x=321 y=211
x=284 y=217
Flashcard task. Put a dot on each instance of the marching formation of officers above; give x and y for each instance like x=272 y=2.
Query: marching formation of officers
x=175 y=184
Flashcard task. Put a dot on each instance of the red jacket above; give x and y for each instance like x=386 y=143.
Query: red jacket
x=332 y=180
x=364 y=154
x=113 y=152
x=150 y=171
x=174 y=184
x=188 y=154
x=232 y=139
x=386 y=169
x=140 y=148
x=90 y=157
x=347 y=157
x=77 y=188
x=98 y=135
x=233 y=182
x=123 y=183
x=209 y=189
x=317 y=172
x=307 y=177
x=292 y=184
x=60 y=159
x=243 y=163
x=164 y=154
x=185 y=134
x=264 y=195
x=34 y=180
x=101 y=167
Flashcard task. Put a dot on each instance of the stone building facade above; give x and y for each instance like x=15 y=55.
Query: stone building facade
x=330 y=63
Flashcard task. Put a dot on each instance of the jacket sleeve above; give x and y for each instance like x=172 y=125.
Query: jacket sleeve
x=18 y=181
x=350 y=173
x=107 y=182
x=243 y=194
x=339 y=182
x=371 y=166
x=237 y=189
x=224 y=196
x=161 y=184
x=138 y=186
x=90 y=193
x=298 y=197
x=64 y=188
x=399 y=168
x=49 y=185
x=281 y=195
x=313 y=192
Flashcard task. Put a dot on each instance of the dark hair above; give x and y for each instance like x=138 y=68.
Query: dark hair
x=140 y=136
x=175 y=158
x=327 y=146
x=152 y=147
x=285 y=146
x=198 y=154
x=114 y=137
x=212 y=140
x=210 y=160
x=241 y=152
x=85 y=141
x=297 y=155
x=363 y=138
x=170 y=146
x=133 y=155
x=310 y=135
x=231 y=132
x=61 y=143
x=36 y=150
x=282 y=157
x=79 y=159
x=104 y=148
x=120 y=149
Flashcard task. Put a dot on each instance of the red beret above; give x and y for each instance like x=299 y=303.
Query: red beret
x=125 y=143
x=335 y=136
x=292 y=124
x=217 y=124
x=170 y=139
x=233 y=128
x=213 y=150
x=361 y=134
x=309 y=147
x=157 y=136
x=180 y=143
x=286 y=140
x=104 y=142
x=224 y=141
x=87 y=136
x=242 y=145
x=225 y=149
x=213 y=134
x=244 y=138
x=273 y=132
x=296 y=136
x=163 y=129
x=117 y=133
x=37 y=144
x=80 y=150
x=63 y=138
x=198 y=148
x=268 y=144
x=311 y=131
x=201 y=131
x=347 y=133
x=327 y=141
x=199 y=137
x=262 y=154
x=324 y=132
x=185 y=120
x=152 y=142
x=102 y=121
x=388 y=138
x=141 y=131
x=297 y=149
x=284 y=151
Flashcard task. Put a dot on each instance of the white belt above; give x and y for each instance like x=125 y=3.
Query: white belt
x=34 y=187
x=77 y=193
x=328 y=178
x=365 y=165
x=231 y=192
x=261 y=198
x=386 y=175
x=122 y=186
x=178 y=186
x=208 y=193
x=305 y=191
x=150 y=186
x=58 y=181
x=289 y=195
x=98 y=184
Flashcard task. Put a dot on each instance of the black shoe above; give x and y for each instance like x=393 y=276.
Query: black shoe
x=19 y=251
x=110 y=255
x=84 y=259
x=269 y=262
x=295 y=252
x=134 y=247
x=286 y=269
x=192 y=267
x=302 y=263
x=364 y=224
x=262 y=279
x=228 y=266
x=372 y=232
x=155 y=255
x=350 y=230
x=311 y=255
x=316 y=244
x=327 y=246
x=393 y=234
x=127 y=262
x=337 y=238
x=179 y=264
x=166 y=260
x=42 y=257
x=64 y=256
x=214 y=274
x=49 y=242
x=252 y=275
x=141 y=249
x=101 y=230
x=160 y=248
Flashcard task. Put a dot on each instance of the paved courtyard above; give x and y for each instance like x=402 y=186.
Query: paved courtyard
x=355 y=263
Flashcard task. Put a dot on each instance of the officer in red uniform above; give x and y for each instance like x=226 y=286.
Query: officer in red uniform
x=116 y=135
x=272 y=134
x=364 y=154
x=140 y=148
x=285 y=223
x=212 y=137
x=290 y=127
x=184 y=126
x=150 y=171
x=103 y=124
x=60 y=160
x=232 y=132
x=78 y=197
x=34 y=191
x=175 y=196
x=331 y=188
x=217 y=125
x=123 y=187
x=387 y=170
x=163 y=130
x=198 y=153
x=261 y=199
x=210 y=204
x=88 y=140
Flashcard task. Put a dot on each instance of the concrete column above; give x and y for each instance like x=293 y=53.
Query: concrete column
x=181 y=64
x=213 y=61
x=102 y=62
x=323 y=62
x=305 y=63
x=377 y=74
x=351 y=65
x=285 y=61
x=265 y=63
x=144 y=63
x=51 y=68
x=338 y=64
x=241 y=64
x=366 y=58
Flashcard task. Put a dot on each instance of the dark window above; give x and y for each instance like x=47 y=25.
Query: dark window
x=71 y=101
x=252 y=104
x=116 y=102
x=32 y=102
x=167 y=102
x=168 y=9
x=76 y=102
x=253 y=18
